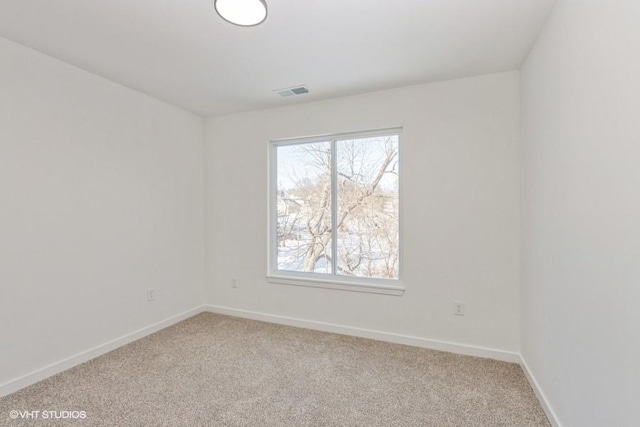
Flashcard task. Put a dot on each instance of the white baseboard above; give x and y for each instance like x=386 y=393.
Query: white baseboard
x=465 y=349
x=542 y=398
x=470 y=350
x=55 y=368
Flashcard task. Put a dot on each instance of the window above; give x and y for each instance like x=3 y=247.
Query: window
x=335 y=211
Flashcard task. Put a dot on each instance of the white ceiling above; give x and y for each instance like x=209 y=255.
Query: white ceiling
x=180 y=51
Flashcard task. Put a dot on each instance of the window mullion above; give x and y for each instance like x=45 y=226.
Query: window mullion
x=334 y=206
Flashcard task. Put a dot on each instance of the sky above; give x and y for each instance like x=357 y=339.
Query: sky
x=294 y=165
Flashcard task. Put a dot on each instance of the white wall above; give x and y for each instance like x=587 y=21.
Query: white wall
x=581 y=212
x=460 y=177
x=101 y=197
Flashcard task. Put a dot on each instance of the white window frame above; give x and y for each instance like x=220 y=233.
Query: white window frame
x=326 y=280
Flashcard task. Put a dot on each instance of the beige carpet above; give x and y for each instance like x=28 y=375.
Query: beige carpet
x=214 y=370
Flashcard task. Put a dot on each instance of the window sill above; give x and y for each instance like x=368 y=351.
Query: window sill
x=339 y=285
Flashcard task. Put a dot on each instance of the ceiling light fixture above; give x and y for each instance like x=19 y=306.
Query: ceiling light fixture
x=245 y=13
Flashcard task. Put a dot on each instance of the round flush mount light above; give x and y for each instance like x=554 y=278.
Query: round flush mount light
x=245 y=13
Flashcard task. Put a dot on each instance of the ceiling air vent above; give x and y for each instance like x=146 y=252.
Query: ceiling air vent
x=290 y=91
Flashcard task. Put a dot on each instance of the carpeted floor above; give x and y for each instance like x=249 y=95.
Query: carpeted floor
x=213 y=370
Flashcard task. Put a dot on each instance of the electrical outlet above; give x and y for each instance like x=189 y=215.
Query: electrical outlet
x=234 y=283
x=151 y=294
x=458 y=308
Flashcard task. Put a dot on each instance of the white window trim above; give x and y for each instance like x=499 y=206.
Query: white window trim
x=318 y=280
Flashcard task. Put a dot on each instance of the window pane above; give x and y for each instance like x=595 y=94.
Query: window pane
x=304 y=207
x=368 y=207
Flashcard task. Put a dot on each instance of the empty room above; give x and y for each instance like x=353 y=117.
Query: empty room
x=320 y=213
